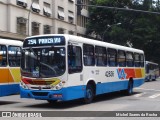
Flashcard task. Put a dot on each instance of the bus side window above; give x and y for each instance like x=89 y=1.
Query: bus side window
x=88 y=55
x=14 y=56
x=137 y=60
x=112 y=57
x=129 y=59
x=121 y=58
x=142 y=60
x=101 y=56
x=74 y=59
x=3 y=56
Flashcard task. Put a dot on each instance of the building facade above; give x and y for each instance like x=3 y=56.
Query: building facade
x=22 y=18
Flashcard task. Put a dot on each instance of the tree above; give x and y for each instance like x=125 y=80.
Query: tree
x=141 y=30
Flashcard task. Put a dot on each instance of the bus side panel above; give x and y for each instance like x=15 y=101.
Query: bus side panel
x=9 y=80
x=4 y=72
x=15 y=73
x=75 y=92
x=116 y=86
x=111 y=87
x=138 y=82
x=9 y=89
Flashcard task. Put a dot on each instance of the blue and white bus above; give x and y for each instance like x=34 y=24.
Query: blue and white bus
x=152 y=71
x=66 y=67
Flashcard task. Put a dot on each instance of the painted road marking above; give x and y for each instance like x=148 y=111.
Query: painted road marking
x=147 y=89
x=139 y=95
x=154 y=96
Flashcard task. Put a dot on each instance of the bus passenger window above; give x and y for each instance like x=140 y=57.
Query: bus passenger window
x=88 y=55
x=121 y=58
x=3 y=56
x=142 y=60
x=112 y=57
x=129 y=59
x=74 y=59
x=137 y=60
x=14 y=56
x=101 y=56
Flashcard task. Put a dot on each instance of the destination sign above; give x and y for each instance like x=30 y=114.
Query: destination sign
x=44 y=41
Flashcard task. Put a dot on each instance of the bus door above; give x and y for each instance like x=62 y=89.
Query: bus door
x=75 y=73
x=14 y=55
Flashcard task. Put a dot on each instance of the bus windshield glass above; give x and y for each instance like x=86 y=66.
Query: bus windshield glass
x=43 y=62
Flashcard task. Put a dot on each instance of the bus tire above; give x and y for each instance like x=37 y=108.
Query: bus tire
x=129 y=90
x=154 y=78
x=89 y=94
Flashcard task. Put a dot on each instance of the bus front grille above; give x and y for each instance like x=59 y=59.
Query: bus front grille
x=40 y=93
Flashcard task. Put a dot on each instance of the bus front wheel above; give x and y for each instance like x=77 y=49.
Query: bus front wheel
x=129 y=90
x=89 y=94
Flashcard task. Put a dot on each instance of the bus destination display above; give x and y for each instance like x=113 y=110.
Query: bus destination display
x=44 y=41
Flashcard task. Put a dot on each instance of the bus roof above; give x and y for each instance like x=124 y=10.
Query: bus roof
x=80 y=39
x=10 y=42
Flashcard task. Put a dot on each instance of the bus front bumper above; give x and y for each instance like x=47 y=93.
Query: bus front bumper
x=42 y=94
x=63 y=94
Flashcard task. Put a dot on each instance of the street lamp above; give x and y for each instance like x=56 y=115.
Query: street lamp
x=29 y=16
x=108 y=26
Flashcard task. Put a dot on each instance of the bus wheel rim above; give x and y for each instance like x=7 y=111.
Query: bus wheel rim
x=130 y=88
x=89 y=93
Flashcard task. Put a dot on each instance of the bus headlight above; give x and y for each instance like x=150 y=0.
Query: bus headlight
x=23 y=85
x=58 y=86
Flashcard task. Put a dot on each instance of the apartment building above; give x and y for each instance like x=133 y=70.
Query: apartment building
x=82 y=18
x=22 y=18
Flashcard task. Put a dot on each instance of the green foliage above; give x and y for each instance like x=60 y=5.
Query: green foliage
x=142 y=30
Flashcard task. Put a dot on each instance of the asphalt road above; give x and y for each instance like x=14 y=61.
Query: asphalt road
x=145 y=98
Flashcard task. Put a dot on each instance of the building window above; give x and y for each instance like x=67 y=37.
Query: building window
x=3 y=56
x=47 y=9
x=35 y=6
x=71 y=1
x=22 y=3
x=61 y=13
x=71 y=32
x=70 y=17
x=82 y=21
x=14 y=55
x=35 y=28
x=85 y=2
x=21 y=25
x=47 y=29
x=61 y=30
x=88 y=55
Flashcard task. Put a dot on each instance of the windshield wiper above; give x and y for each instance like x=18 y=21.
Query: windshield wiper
x=33 y=52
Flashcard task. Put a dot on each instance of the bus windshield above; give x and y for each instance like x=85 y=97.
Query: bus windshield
x=43 y=62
